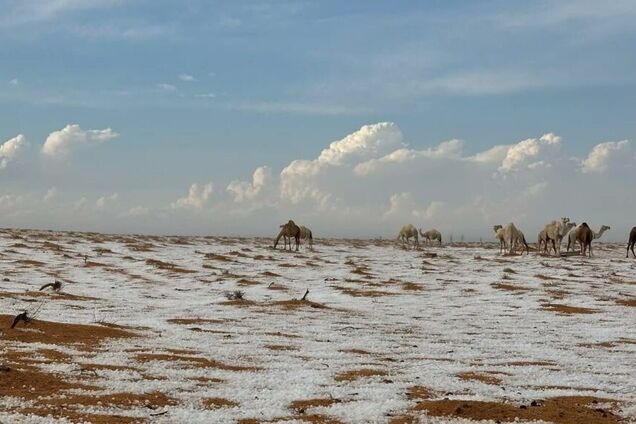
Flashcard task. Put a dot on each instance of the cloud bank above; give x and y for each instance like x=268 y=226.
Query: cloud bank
x=367 y=183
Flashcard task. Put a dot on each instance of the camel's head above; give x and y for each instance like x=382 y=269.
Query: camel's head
x=570 y=225
x=565 y=220
x=605 y=227
x=497 y=228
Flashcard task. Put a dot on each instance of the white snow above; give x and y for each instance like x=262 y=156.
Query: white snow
x=457 y=322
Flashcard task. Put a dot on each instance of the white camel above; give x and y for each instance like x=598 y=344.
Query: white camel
x=554 y=233
x=431 y=235
x=542 y=241
x=406 y=233
x=515 y=237
x=499 y=235
x=306 y=234
x=572 y=235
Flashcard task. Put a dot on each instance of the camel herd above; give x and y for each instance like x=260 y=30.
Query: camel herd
x=509 y=236
x=551 y=236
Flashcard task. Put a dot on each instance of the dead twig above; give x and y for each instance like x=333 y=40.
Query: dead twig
x=305 y=295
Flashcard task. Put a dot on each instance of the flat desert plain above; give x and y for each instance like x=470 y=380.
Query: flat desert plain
x=223 y=330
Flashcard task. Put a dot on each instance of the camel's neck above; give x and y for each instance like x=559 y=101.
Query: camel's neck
x=600 y=233
x=564 y=229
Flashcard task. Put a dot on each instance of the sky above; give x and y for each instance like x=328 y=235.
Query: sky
x=352 y=118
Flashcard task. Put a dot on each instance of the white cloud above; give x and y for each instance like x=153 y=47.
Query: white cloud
x=518 y=155
x=167 y=87
x=404 y=207
x=450 y=149
x=244 y=191
x=298 y=178
x=29 y=11
x=186 y=77
x=196 y=198
x=602 y=155
x=10 y=149
x=50 y=194
x=103 y=201
x=11 y=201
x=300 y=108
x=61 y=143
x=14 y=82
x=205 y=96
x=118 y=32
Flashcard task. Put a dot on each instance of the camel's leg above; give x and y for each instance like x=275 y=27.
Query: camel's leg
x=553 y=246
x=633 y=250
x=590 y=249
x=297 y=243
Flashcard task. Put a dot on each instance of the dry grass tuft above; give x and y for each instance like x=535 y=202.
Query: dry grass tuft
x=567 y=310
x=304 y=404
x=559 y=410
x=191 y=361
x=216 y=403
x=79 y=335
x=167 y=266
x=487 y=378
x=360 y=373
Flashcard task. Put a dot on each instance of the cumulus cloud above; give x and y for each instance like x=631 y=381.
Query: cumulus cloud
x=527 y=151
x=103 y=201
x=602 y=155
x=406 y=207
x=364 y=144
x=61 y=143
x=450 y=149
x=196 y=198
x=186 y=77
x=10 y=149
x=243 y=191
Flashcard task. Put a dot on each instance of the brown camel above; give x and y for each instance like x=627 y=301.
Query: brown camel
x=289 y=230
x=632 y=242
x=584 y=236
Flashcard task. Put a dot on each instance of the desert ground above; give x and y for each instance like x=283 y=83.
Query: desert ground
x=223 y=330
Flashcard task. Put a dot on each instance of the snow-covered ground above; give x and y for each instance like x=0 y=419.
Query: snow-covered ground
x=465 y=324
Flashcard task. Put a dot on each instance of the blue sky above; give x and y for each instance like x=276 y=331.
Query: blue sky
x=208 y=91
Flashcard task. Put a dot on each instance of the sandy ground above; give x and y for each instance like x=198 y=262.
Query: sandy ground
x=215 y=330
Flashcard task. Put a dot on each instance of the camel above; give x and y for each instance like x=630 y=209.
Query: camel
x=289 y=230
x=542 y=240
x=431 y=235
x=406 y=233
x=306 y=234
x=631 y=242
x=585 y=236
x=515 y=236
x=572 y=235
x=499 y=235
x=555 y=231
